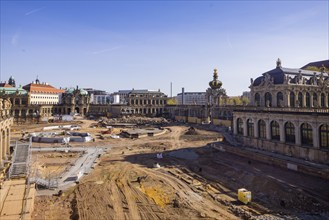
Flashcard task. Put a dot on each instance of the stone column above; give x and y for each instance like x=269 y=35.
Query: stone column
x=311 y=100
x=4 y=142
x=319 y=99
x=8 y=141
x=256 y=129
x=274 y=99
x=326 y=104
x=235 y=126
x=287 y=99
x=298 y=140
x=315 y=136
x=245 y=128
x=296 y=99
x=268 y=129
x=304 y=99
x=282 y=133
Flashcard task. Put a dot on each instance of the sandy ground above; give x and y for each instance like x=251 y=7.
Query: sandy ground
x=193 y=182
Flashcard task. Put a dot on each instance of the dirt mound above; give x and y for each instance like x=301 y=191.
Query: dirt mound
x=191 y=131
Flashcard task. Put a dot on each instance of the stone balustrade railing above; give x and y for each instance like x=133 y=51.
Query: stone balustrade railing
x=281 y=109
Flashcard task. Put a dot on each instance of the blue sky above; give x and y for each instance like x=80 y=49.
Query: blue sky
x=114 y=45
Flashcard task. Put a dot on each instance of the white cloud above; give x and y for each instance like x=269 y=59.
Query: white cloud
x=105 y=50
x=34 y=11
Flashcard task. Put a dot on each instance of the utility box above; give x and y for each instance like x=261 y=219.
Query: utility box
x=244 y=196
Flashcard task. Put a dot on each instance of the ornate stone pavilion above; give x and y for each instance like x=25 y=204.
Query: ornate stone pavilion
x=212 y=112
x=5 y=123
x=74 y=101
x=213 y=96
x=288 y=113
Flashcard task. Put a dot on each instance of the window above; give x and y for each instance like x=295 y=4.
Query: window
x=323 y=98
x=240 y=126
x=261 y=129
x=268 y=99
x=250 y=127
x=279 y=98
x=275 y=130
x=306 y=134
x=289 y=130
x=324 y=135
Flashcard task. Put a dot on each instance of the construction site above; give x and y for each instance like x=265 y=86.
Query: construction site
x=151 y=168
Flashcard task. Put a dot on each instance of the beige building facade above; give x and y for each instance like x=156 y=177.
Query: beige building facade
x=288 y=114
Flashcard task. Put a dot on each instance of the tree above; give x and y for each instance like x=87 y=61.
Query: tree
x=171 y=101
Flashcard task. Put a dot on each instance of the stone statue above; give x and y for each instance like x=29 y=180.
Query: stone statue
x=7 y=103
x=268 y=80
x=251 y=81
x=1 y=104
x=321 y=79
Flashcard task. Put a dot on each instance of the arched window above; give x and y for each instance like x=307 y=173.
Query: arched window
x=279 y=98
x=250 y=128
x=323 y=97
x=261 y=129
x=292 y=99
x=257 y=99
x=268 y=99
x=275 y=130
x=324 y=135
x=300 y=99
x=308 y=100
x=306 y=134
x=289 y=130
x=240 y=126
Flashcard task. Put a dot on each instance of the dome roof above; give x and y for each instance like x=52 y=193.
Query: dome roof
x=215 y=83
x=83 y=92
x=72 y=90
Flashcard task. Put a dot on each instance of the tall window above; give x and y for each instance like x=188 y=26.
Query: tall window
x=279 y=98
x=268 y=99
x=257 y=99
x=306 y=134
x=289 y=129
x=292 y=99
x=322 y=100
x=261 y=129
x=324 y=135
x=308 y=100
x=240 y=126
x=250 y=128
x=275 y=130
x=300 y=99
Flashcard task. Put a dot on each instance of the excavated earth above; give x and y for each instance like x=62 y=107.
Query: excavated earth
x=193 y=181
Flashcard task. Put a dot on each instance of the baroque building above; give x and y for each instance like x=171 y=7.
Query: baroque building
x=5 y=123
x=42 y=93
x=288 y=113
x=74 y=101
x=145 y=102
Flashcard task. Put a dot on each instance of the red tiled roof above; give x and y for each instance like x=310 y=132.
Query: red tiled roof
x=5 y=85
x=42 y=88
